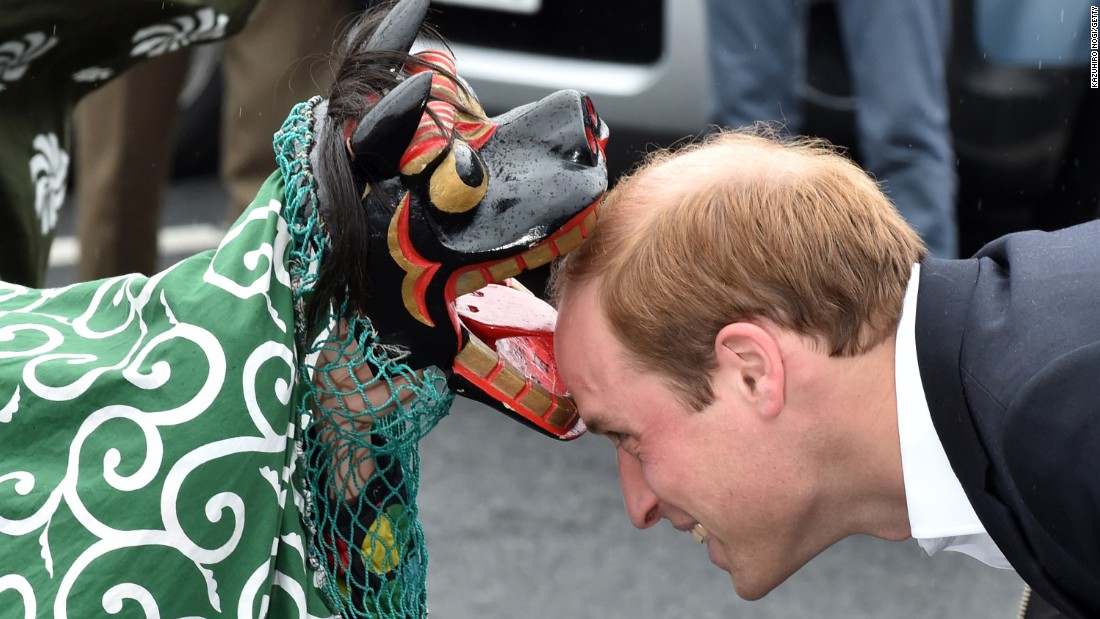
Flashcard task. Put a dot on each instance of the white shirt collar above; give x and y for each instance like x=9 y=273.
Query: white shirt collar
x=940 y=515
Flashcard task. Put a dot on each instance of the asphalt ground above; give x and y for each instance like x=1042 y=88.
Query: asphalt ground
x=519 y=525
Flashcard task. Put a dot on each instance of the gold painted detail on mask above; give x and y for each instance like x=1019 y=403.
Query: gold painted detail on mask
x=415 y=267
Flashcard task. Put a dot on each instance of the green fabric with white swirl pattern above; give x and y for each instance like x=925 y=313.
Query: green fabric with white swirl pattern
x=165 y=452
x=148 y=454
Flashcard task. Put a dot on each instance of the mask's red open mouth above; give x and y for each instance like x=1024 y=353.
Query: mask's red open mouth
x=507 y=360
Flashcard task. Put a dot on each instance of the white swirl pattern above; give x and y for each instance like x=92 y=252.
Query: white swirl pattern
x=205 y=25
x=21 y=586
x=16 y=55
x=93 y=74
x=148 y=427
x=49 y=171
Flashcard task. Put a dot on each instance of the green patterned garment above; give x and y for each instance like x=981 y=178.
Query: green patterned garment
x=182 y=445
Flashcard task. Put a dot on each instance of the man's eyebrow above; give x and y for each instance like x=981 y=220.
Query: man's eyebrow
x=595 y=426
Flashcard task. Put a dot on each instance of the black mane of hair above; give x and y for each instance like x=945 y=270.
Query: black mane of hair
x=362 y=77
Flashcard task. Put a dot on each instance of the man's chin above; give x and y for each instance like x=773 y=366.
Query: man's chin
x=746 y=583
x=754 y=586
x=749 y=595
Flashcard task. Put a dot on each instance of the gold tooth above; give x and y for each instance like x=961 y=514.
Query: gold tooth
x=569 y=241
x=699 y=533
x=537 y=400
x=538 y=256
x=532 y=258
x=563 y=414
x=509 y=381
x=505 y=269
x=469 y=282
x=590 y=222
x=477 y=357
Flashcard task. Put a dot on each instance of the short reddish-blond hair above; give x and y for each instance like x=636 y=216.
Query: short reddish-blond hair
x=742 y=226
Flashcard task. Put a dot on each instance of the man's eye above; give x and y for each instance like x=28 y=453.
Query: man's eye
x=625 y=442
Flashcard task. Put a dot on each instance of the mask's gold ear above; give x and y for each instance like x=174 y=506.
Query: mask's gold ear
x=382 y=135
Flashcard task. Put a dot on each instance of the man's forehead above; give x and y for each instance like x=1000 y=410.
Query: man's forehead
x=591 y=359
x=581 y=333
x=580 y=299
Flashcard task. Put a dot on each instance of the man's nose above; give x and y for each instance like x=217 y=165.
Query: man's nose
x=642 y=505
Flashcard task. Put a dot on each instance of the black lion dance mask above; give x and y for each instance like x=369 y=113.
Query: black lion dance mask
x=454 y=204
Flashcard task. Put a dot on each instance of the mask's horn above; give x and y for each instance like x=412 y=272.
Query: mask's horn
x=382 y=135
x=398 y=30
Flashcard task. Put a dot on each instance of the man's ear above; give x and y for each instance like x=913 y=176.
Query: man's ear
x=749 y=356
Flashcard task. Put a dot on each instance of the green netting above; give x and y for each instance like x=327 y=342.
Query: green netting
x=363 y=412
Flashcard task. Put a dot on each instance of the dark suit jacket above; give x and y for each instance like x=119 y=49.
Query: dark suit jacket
x=1008 y=345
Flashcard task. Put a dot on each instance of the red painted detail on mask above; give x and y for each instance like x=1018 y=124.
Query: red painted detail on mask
x=427 y=268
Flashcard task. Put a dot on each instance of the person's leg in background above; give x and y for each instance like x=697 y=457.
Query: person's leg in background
x=278 y=60
x=124 y=135
x=757 y=51
x=897 y=54
x=126 y=130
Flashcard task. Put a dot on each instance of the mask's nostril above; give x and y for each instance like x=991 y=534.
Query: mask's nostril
x=593 y=118
x=583 y=155
x=594 y=130
x=593 y=146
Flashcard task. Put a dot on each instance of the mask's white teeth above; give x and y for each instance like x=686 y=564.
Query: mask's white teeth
x=699 y=533
x=515 y=284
